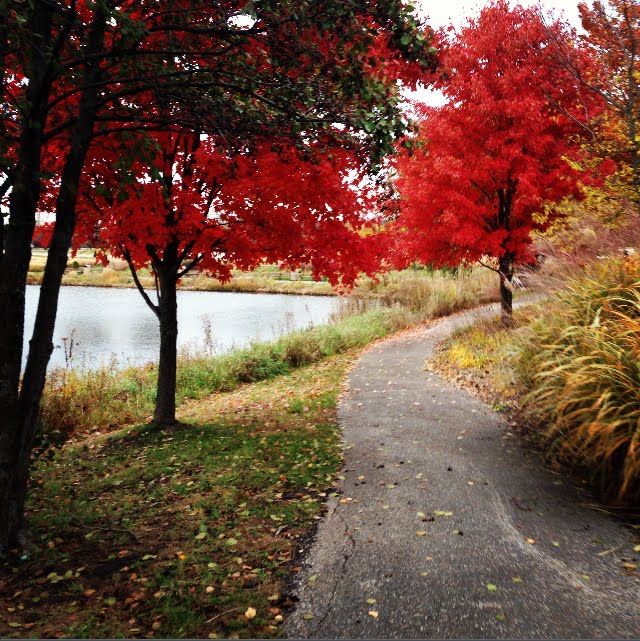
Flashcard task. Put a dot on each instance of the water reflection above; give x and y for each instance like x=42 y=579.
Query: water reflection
x=100 y=323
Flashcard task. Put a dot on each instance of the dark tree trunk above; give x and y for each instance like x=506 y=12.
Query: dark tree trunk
x=165 y=410
x=506 y=289
x=14 y=261
x=24 y=421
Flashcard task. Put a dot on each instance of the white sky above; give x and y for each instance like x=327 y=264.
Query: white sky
x=442 y=13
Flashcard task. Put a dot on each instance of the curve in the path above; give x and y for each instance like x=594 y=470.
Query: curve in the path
x=451 y=526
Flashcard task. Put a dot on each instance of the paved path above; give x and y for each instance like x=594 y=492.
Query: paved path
x=416 y=446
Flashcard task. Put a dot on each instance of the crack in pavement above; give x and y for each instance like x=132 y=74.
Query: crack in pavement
x=416 y=445
x=346 y=556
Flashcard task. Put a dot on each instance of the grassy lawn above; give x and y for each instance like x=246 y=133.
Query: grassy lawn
x=189 y=532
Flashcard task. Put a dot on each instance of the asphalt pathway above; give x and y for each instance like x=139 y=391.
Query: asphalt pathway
x=451 y=526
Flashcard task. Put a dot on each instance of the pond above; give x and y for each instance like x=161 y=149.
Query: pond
x=95 y=325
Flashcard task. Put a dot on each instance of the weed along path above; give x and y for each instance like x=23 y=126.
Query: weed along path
x=445 y=527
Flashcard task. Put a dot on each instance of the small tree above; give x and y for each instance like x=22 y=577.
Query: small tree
x=196 y=206
x=495 y=153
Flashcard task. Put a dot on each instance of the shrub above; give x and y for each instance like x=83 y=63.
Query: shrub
x=582 y=369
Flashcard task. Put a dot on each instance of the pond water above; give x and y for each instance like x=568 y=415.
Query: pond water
x=96 y=324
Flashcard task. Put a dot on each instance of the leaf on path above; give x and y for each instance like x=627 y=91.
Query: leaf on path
x=531 y=541
x=500 y=617
x=371 y=601
x=517 y=579
x=429 y=558
x=555 y=544
x=443 y=513
x=636 y=548
x=419 y=475
x=421 y=515
x=312 y=579
x=307 y=616
x=629 y=566
x=373 y=614
x=250 y=613
x=424 y=573
x=421 y=533
x=491 y=587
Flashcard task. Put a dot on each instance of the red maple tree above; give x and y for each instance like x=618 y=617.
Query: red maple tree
x=79 y=78
x=194 y=205
x=498 y=154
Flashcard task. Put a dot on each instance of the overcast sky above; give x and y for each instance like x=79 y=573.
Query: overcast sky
x=444 y=12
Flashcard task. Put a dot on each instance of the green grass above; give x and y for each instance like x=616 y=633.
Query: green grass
x=177 y=533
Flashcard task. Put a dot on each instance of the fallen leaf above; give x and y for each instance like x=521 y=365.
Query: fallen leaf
x=307 y=616
x=442 y=513
x=231 y=541
x=629 y=566
x=491 y=587
x=421 y=533
x=517 y=579
x=636 y=548
x=429 y=558
x=555 y=544
x=373 y=614
x=250 y=613
x=371 y=601
x=423 y=573
x=500 y=617
x=148 y=557
x=420 y=515
x=201 y=535
x=209 y=589
x=531 y=541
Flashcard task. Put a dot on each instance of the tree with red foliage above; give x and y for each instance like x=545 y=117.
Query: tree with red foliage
x=196 y=206
x=77 y=76
x=611 y=44
x=497 y=153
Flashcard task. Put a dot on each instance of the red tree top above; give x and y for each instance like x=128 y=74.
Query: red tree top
x=499 y=150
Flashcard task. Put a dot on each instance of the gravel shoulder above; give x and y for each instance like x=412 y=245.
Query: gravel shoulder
x=446 y=527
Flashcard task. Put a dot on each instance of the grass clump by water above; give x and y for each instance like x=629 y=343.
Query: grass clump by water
x=77 y=401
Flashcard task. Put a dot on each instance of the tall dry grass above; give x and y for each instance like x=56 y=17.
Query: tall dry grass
x=582 y=367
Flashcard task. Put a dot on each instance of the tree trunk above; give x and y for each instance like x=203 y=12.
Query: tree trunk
x=41 y=345
x=15 y=258
x=165 y=409
x=506 y=289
